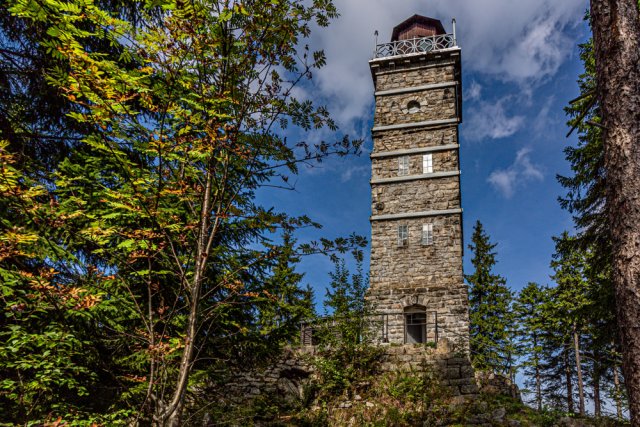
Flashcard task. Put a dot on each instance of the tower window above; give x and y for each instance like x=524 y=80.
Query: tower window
x=427 y=163
x=403 y=166
x=403 y=235
x=427 y=234
x=413 y=106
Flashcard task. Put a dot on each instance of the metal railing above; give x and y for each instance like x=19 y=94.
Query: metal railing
x=376 y=326
x=417 y=45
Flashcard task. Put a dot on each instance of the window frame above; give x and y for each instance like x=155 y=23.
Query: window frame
x=403 y=235
x=427 y=234
x=427 y=163
x=403 y=166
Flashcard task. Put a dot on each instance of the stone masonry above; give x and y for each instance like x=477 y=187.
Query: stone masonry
x=418 y=109
x=289 y=375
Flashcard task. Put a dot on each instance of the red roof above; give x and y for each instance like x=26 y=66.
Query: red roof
x=417 y=26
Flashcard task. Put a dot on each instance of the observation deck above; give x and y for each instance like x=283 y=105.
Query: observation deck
x=417 y=45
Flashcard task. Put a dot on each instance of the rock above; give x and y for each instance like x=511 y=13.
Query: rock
x=572 y=422
x=369 y=405
x=289 y=389
x=498 y=414
x=357 y=397
x=469 y=389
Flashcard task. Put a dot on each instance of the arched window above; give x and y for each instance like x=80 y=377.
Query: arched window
x=413 y=106
x=415 y=324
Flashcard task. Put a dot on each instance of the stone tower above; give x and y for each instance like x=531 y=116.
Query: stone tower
x=416 y=279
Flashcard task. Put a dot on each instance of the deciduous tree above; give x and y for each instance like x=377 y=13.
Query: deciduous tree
x=155 y=205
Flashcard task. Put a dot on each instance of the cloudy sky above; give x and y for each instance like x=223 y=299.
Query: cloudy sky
x=520 y=64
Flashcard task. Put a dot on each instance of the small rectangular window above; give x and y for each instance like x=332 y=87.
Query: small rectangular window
x=427 y=234
x=403 y=235
x=403 y=166
x=427 y=163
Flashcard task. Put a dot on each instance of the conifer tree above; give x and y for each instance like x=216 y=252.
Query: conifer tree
x=586 y=200
x=528 y=310
x=572 y=303
x=616 y=41
x=345 y=299
x=490 y=316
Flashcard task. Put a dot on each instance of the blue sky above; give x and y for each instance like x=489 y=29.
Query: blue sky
x=519 y=70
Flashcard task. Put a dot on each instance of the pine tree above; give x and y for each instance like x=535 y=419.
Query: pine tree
x=571 y=299
x=586 y=200
x=345 y=353
x=616 y=30
x=528 y=310
x=491 y=319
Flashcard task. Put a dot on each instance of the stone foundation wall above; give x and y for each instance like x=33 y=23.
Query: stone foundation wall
x=288 y=375
x=453 y=370
x=285 y=377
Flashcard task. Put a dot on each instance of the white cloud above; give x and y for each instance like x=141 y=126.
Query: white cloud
x=543 y=119
x=522 y=41
x=521 y=171
x=488 y=120
x=504 y=181
x=352 y=171
x=473 y=92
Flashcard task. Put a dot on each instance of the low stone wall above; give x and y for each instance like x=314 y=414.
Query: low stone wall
x=285 y=377
x=288 y=375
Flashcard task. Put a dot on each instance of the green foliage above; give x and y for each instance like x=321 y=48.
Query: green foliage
x=490 y=315
x=586 y=196
x=591 y=247
x=528 y=308
x=347 y=354
x=387 y=399
x=137 y=241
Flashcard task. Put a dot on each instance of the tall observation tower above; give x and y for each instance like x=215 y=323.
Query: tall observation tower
x=416 y=279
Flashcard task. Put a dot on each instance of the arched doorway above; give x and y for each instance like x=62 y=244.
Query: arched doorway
x=415 y=324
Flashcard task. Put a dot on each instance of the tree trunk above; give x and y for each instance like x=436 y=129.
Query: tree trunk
x=576 y=349
x=172 y=415
x=538 y=378
x=616 y=31
x=616 y=384
x=567 y=373
x=597 y=403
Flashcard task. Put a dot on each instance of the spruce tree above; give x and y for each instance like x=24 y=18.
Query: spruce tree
x=586 y=199
x=490 y=314
x=528 y=309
